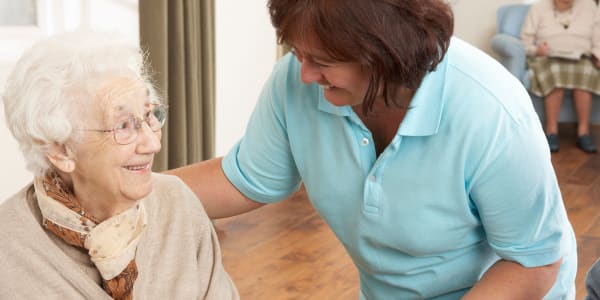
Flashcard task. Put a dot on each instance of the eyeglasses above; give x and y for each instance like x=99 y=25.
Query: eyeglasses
x=126 y=131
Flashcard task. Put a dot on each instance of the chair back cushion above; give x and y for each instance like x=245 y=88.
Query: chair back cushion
x=510 y=18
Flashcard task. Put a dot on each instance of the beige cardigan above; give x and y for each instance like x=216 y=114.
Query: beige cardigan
x=178 y=256
x=582 y=36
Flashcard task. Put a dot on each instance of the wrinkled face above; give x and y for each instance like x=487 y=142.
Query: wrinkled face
x=343 y=83
x=562 y=5
x=104 y=170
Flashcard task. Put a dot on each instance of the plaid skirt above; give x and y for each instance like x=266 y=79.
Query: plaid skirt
x=548 y=73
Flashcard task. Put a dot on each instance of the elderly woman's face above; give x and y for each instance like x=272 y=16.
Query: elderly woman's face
x=105 y=170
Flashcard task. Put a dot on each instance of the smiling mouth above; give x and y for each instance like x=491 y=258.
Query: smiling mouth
x=142 y=167
x=327 y=86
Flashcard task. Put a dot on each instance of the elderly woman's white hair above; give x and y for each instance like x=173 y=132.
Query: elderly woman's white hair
x=54 y=78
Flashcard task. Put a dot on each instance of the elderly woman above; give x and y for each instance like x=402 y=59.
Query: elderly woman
x=562 y=40
x=96 y=223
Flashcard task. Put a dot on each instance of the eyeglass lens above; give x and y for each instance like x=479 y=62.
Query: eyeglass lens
x=126 y=132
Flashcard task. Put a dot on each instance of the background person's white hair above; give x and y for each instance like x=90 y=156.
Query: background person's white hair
x=57 y=77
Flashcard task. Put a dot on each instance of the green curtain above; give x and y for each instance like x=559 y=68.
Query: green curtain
x=178 y=36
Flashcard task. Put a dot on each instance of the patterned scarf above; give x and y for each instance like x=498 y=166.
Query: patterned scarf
x=111 y=244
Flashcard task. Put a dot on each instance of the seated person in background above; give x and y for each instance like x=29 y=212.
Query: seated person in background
x=96 y=223
x=562 y=40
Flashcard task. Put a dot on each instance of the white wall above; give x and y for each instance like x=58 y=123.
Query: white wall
x=56 y=16
x=245 y=55
x=475 y=20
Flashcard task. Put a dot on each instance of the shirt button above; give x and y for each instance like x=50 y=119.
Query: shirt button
x=372 y=178
x=364 y=141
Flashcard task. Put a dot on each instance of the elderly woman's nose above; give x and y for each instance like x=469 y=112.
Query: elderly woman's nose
x=148 y=140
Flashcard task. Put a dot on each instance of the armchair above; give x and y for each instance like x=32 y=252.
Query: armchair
x=511 y=54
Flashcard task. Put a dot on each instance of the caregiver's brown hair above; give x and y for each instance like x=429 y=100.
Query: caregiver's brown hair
x=399 y=41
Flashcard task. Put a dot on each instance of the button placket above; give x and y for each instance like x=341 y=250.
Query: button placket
x=372 y=191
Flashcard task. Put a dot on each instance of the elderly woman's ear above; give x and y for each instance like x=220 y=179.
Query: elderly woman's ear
x=61 y=157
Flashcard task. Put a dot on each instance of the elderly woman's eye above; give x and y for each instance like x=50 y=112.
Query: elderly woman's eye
x=153 y=117
x=125 y=125
x=149 y=116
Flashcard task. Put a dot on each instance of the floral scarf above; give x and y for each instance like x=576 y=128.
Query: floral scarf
x=111 y=244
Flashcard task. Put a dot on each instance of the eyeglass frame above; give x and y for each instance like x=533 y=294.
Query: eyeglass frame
x=137 y=124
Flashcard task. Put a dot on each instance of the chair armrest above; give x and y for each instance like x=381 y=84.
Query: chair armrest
x=508 y=46
x=512 y=55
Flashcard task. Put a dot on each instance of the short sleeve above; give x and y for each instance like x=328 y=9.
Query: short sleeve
x=518 y=199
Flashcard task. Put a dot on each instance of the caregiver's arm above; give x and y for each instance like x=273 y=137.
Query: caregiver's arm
x=219 y=197
x=510 y=280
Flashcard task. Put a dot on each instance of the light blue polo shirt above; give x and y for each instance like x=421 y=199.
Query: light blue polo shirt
x=467 y=179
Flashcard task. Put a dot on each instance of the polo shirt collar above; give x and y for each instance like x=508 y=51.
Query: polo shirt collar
x=425 y=111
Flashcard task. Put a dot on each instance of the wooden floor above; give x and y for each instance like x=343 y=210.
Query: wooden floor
x=286 y=251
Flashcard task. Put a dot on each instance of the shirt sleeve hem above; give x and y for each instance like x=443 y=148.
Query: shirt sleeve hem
x=231 y=170
x=532 y=260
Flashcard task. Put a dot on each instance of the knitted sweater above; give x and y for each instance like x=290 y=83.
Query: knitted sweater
x=178 y=256
x=545 y=25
